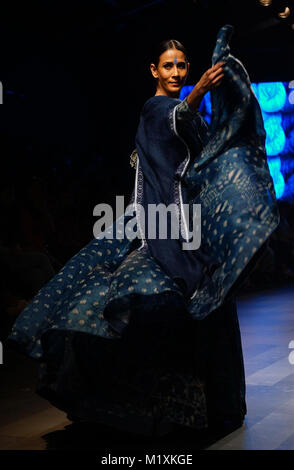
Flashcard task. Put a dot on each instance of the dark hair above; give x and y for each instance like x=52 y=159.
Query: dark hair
x=164 y=46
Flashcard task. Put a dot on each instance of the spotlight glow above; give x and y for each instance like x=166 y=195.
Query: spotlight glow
x=265 y=3
x=284 y=14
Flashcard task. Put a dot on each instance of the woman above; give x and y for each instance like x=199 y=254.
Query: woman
x=143 y=335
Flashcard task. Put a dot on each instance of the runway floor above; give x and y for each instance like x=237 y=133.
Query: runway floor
x=28 y=422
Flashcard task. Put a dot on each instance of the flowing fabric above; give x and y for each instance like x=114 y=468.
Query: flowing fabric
x=141 y=334
x=230 y=178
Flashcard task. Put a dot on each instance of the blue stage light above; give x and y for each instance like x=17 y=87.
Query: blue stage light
x=289 y=148
x=265 y=116
x=207 y=118
x=278 y=179
x=275 y=135
x=207 y=102
x=276 y=101
x=185 y=91
x=289 y=190
x=291 y=94
x=255 y=89
x=288 y=124
x=271 y=96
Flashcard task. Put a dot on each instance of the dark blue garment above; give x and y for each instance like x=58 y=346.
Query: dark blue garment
x=115 y=331
x=230 y=178
x=163 y=158
x=225 y=172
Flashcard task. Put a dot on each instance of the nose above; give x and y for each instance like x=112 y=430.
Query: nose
x=175 y=71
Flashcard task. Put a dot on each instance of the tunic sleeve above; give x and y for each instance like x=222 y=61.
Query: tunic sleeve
x=185 y=116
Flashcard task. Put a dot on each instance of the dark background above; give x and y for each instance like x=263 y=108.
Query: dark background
x=79 y=72
x=75 y=76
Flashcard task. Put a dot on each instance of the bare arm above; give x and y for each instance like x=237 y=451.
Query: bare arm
x=209 y=80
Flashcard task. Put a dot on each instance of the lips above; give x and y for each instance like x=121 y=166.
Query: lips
x=174 y=83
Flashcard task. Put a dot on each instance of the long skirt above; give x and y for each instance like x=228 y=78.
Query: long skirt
x=116 y=345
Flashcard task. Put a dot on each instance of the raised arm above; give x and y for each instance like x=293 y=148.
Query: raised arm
x=211 y=79
x=187 y=111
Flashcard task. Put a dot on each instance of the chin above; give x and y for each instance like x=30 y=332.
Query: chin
x=175 y=91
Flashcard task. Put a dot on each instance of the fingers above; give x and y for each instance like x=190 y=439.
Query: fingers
x=216 y=66
x=216 y=74
x=215 y=71
x=212 y=77
x=217 y=81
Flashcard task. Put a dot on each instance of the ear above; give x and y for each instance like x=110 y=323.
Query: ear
x=154 y=70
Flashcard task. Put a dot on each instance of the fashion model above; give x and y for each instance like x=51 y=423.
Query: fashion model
x=142 y=334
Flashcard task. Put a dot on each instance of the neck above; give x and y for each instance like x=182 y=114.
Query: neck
x=171 y=95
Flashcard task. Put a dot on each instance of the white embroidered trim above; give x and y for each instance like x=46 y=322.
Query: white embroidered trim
x=138 y=199
x=182 y=173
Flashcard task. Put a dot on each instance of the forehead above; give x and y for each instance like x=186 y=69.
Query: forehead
x=171 y=54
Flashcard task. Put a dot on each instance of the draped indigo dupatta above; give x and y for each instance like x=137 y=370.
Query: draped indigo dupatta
x=229 y=178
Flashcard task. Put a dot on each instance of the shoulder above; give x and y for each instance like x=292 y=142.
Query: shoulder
x=160 y=104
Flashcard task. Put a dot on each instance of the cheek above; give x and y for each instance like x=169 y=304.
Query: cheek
x=165 y=74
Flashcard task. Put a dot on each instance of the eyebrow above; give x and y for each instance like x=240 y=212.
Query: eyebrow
x=170 y=62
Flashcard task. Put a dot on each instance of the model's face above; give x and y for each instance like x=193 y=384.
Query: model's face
x=171 y=72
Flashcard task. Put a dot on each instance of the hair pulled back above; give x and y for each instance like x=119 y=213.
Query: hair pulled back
x=164 y=46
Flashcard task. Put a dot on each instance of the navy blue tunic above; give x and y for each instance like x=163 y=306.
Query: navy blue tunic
x=163 y=157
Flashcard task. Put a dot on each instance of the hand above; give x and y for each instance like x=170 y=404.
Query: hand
x=211 y=79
